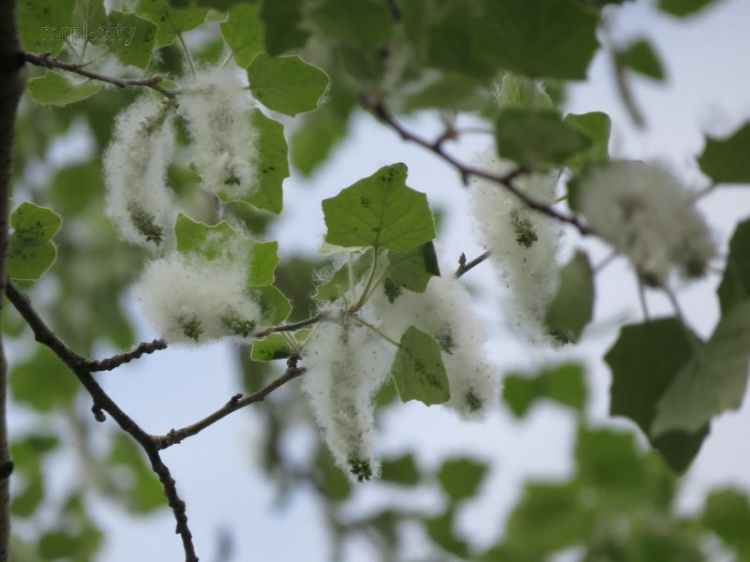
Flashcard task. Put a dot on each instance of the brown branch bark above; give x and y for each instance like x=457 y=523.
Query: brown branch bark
x=12 y=83
x=464 y=266
x=47 y=61
x=235 y=403
x=103 y=403
x=466 y=172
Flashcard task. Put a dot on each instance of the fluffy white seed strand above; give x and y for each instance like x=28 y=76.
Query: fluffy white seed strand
x=216 y=108
x=523 y=245
x=192 y=301
x=647 y=215
x=346 y=365
x=137 y=199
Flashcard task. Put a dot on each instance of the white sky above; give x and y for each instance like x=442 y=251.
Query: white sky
x=708 y=90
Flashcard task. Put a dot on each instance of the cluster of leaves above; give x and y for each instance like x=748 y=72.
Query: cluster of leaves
x=416 y=55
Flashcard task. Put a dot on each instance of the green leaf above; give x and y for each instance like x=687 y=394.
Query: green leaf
x=286 y=84
x=283 y=31
x=572 y=307
x=272 y=165
x=597 y=126
x=25 y=502
x=400 y=470
x=538 y=38
x=223 y=241
x=90 y=13
x=725 y=160
x=30 y=252
x=32 y=223
x=418 y=369
x=683 y=8
x=564 y=384
x=274 y=306
x=44 y=25
x=523 y=92
x=339 y=282
x=54 y=89
x=170 y=21
x=727 y=513
x=275 y=346
x=137 y=45
x=714 y=381
x=43 y=382
x=367 y=26
x=142 y=491
x=608 y=460
x=645 y=362
x=413 y=269
x=735 y=285
x=379 y=211
x=461 y=477
x=537 y=137
x=451 y=91
x=641 y=58
x=243 y=32
x=440 y=530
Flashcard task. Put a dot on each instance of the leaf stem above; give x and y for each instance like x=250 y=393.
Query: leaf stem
x=185 y=50
x=373 y=270
x=375 y=329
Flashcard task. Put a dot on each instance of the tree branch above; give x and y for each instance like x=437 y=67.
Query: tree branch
x=111 y=363
x=47 y=61
x=12 y=84
x=464 y=266
x=235 y=403
x=466 y=172
x=103 y=403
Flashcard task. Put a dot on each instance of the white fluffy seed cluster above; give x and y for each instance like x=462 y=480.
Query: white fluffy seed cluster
x=137 y=199
x=193 y=301
x=645 y=213
x=345 y=365
x=444 y=311
x=523 y=245
x=215 y=106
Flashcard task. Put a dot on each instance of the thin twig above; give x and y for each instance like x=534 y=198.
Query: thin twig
x=115 y=361
x=103 y=403
x=47 y=61
x=235 y=403
x=464 y=266
x=292 y=327
x=466 y=172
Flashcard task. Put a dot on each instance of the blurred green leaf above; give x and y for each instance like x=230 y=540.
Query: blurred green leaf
x=440 y=530
x=400 y=470
x=43 y=382
x=41 y=24
x=55 y=89
x=597 y=126
x=684 y=8
x=640 y=57
x=727 y=513
x=461 y=477
x=288 y=85
x=170 y=21
x=142 y=490
x=572 y=307
x=564 y=384
x=735 y=284
x=338 y=284
x=725 y=160
x=366 y=26
x=418 y=369
x=282 y=20
x=243 y=32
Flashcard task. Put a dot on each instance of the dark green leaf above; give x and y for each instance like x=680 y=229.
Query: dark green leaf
x=366 y=26
x=461 y=478
x=413 y=269
x=44 y=25
x=170 y=21
x=272 y=165
x=379 y=211
x=572 y=307
x=538 y=38
x=282 y=25
x=54 y=89
x=684 y=8
x=274 y=306
x=400 y=470
x=136 y=46
x=43 y=382
x=641 y=57
x=418 y=369
x=564 y=384
x=714 y=381
x=597 y=126
x=645 y=362
x=725 y=160
x=735 y=285
x=727 y=513
x=608 y=460
x=440 y=530
x=286 y=84
x=243 y=32
x=537 y=137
